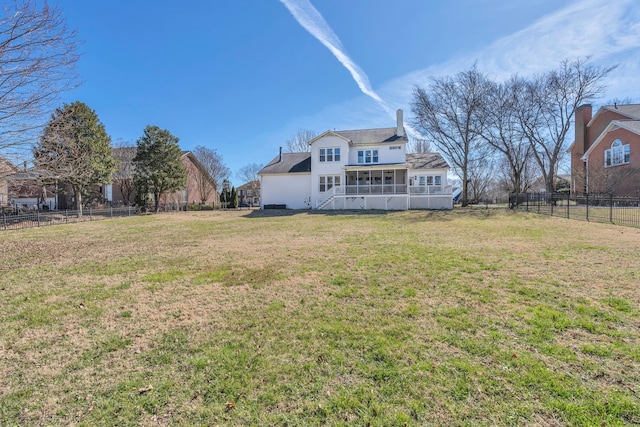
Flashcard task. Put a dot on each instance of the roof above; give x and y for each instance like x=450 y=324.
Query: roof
x=367 y=136
x=249 y=185
x=632 y=111
x=6 y=167
x=426 y=161
x=290 y=163
x=630 y=125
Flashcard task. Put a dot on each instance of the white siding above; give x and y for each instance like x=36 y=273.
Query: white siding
x=326 y=168
x=286 y=189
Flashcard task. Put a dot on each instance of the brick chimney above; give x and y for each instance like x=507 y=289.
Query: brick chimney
x=583 y=116
x=399 y=123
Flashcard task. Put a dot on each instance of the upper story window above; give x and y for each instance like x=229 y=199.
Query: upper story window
x=330 y=154
x=367 y=156
x=618 y=154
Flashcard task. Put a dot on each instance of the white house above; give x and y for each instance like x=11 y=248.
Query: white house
x=357 y=169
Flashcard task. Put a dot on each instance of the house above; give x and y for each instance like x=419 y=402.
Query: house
x=6 y=169
x=605 y=155
x=357 y=169
x=201 y=187
x=33 y=189
x=249 y=193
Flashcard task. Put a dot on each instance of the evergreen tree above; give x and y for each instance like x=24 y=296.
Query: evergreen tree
x=76 y=149
x=158 y=167
x=234 y=198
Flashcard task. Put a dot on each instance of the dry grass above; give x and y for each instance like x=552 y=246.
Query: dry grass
x=266 y=318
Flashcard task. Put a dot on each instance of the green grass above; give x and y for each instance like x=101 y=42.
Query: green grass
x=470 y=317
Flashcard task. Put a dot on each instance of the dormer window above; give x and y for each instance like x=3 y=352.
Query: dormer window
x=618 y=154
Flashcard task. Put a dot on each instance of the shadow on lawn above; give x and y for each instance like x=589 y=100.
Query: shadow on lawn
x=408 y=216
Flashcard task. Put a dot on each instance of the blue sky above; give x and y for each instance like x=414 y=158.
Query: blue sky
x=242 y=76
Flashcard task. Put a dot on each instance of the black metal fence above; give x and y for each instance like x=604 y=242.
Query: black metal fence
x=20 y=220
x=607 y=208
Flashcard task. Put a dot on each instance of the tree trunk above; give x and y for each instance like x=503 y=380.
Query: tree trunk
x=77 y=199
x=156 y=199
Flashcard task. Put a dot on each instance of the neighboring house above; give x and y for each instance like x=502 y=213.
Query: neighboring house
x=249 y=193
x=6 y=169
x=32 y=189
x=201 y=187
x=357 y=169
x=605 y=156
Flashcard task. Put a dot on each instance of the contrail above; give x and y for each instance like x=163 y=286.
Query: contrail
x=311 y=20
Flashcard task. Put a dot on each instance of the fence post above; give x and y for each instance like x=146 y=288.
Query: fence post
x=587 y=203
x=110 y=211
x=90 y=216
x=66 y=216
x=526 y=198
x=38 y=217
x=550 y=196
x=611 y=208
x=568 y=200
x=4 y=221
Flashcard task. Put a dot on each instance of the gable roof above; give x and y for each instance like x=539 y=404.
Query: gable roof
x=632 y=111
x=249 y=185
x=426 y=161
x=6 y=167
x=290 y=163
x=630 y=125
x=365 y=136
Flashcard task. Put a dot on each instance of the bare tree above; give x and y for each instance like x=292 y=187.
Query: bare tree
x=249 y=174
x=299 y=142
x=124 y=153
x=548 y=104
x=420 y=145
x=449 y=112
x=38 y=56
x=503 y=133
x=214 y=167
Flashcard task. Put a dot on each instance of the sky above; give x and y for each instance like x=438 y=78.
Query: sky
x=242 y=76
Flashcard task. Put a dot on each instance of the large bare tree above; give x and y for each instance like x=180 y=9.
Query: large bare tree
x=214 y=166
x=547 y=105
x=38 y=56
x=299 y=142
x=450 y=113
x=503 y=132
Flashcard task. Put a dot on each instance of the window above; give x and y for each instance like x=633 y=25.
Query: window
x=327 y=182
x=330 y=154
x=421 y=180
x=618 y=154
x=367 y=156
x=438 y=179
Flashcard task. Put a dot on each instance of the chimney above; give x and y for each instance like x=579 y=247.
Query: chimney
x=583 y=116
x=400 y=123
x=280 y=157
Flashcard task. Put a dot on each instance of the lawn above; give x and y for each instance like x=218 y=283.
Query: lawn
x=470 y=317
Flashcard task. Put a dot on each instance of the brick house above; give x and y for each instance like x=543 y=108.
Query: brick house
x=6 y=168
x=605 y=155
x=201 y=188
x=249 y=193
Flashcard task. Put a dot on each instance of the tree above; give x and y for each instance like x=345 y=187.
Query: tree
x=213 y=165
x=421 y=146
x=547 y=105
x=449 y=113
x=38 y=56
x=503 y=133
x=299 y=142
x=75 y=148
x=249 y=174
x=158 y=167
x=123 y=153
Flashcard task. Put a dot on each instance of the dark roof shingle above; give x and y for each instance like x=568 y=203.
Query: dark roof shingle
x=426 y=161
x=291 y=163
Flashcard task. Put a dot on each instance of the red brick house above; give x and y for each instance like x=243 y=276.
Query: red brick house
x=6 y=168
x=201 y=188
x=605 y=155
x=249 y=193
